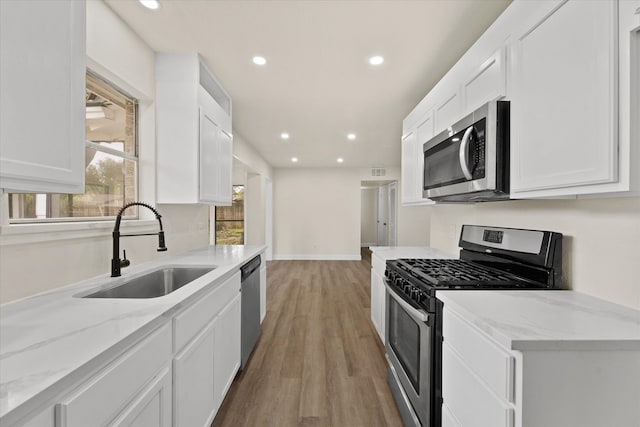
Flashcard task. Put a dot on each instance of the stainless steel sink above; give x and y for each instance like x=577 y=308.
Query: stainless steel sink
x=153 y=284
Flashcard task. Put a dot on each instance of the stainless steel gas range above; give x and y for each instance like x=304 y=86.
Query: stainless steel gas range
x=490 y=258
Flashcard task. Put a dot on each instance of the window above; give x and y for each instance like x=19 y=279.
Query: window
x=230 y=220
x=111 y=174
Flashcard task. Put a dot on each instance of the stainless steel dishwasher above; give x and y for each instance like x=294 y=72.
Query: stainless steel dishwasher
x=250 y=304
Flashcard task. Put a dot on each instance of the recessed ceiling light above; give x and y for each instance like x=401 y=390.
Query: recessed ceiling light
x=150 y=4
x=376 y=60
x=294 y=159
x=284 y=135
x=259 y=60
x=351 y=136
x=340 y=160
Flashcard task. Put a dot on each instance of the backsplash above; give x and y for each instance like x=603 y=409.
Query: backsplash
x=601 y=252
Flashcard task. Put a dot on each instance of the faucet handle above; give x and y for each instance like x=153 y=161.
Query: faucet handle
x=125 y=262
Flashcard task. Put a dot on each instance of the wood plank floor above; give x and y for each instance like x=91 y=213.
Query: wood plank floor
x=318 y=361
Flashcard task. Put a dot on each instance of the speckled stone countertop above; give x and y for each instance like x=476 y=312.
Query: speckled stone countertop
x=547 y=320
x=50 y=340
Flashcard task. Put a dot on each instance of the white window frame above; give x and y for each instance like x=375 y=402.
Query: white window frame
x=42 y=232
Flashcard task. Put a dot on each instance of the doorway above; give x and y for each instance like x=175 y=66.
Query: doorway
x=378 y=213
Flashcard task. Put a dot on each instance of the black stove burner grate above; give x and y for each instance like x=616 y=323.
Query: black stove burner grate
x=456 y=272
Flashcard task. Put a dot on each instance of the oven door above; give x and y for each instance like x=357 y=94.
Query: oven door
x=410 y=352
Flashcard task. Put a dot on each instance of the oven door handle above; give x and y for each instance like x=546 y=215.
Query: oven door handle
x=418 y=315
x=462 y=153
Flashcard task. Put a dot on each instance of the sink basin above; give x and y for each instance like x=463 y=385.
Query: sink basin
x=153 y=284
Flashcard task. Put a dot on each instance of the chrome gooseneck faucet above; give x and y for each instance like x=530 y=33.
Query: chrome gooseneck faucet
x=116 y=262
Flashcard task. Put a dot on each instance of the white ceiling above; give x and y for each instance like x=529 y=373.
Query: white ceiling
x=317 y=84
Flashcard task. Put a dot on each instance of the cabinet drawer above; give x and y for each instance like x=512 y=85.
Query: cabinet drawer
x=188 y=323
x=492 y=364
x=106 y=394
x=468 y=399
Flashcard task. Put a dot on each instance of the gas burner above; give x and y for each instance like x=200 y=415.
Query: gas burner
x=456 y=272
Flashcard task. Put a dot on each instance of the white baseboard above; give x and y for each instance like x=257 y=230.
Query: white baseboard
x=311 y=257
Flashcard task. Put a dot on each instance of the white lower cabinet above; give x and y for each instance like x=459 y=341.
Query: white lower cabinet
x=193 y=379
x=226 y=360
x=176 y=376
x=207 y=345
x=152 y=407
x=378 y=296
x=134 y=387
x=487 y=385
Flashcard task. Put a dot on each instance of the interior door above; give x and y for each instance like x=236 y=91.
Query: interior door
x=392 y=214
x=383 y=216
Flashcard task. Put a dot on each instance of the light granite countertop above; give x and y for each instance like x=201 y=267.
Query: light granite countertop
x=49 y=341
x=547 y=320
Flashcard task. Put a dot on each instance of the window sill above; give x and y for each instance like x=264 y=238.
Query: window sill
x=17 y=234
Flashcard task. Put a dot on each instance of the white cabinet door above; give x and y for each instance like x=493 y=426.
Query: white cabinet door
x=209 y=152
x=378 y=304
x=467 y=397
x=215 y=160
x=227 y=350
x=194 y=142
x=100 y=400
x=42 y=109
x=629 y=95
x=409 y=171
x=447 y=111
x=413 y=161
x=564 y=111
x=193 y=380
x=224 y=168
x=424 y=134
x=152 y=407
x=487 y=82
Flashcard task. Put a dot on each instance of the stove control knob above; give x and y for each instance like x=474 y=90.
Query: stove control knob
x=407 y=289
x=397 y=282
x=419 y=297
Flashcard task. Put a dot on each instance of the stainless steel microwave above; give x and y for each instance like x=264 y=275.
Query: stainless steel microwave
x=469 y=161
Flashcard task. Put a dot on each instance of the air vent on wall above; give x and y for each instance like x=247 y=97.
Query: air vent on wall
x=378 y=171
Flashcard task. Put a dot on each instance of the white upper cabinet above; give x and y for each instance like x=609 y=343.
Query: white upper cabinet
x=564 y=109
x=42 y=107
x=571 y=70
x=194 y=132
x=448 y=110
x=413 y=159
x=486 y=82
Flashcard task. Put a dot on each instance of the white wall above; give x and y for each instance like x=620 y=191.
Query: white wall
x=601 y=245
x=368 y=217
x=39 y=261
x=255 y=171
x=254 y=210
x=316 y=213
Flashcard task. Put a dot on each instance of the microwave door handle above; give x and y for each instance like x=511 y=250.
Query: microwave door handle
x=462 y=154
